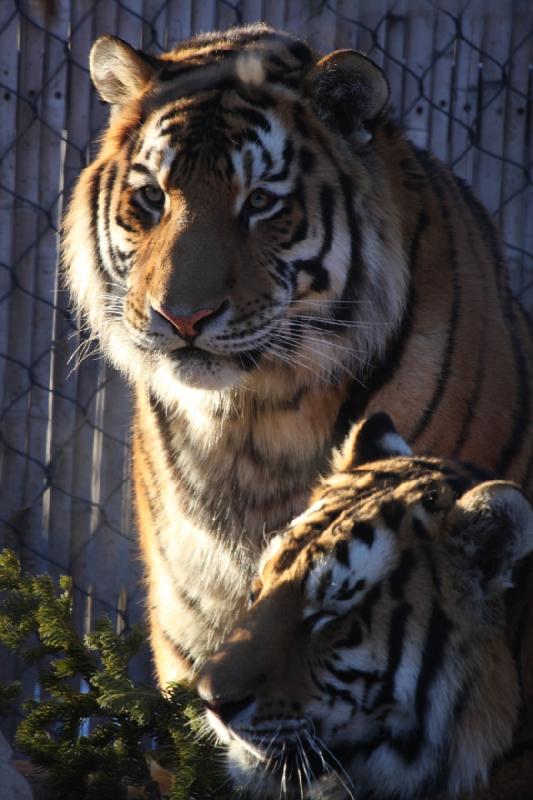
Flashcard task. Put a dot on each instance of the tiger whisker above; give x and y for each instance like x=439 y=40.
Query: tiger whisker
x=277 y=351
x=331 y=357
x=315 y=363
x=81 y=353
x=309 y=774
x=301 y=758
x=308 y=337
x=284 y=772
x=328 y=768
x=329 y=302
x=338 y=763
x=333 y=338
x=351 y=323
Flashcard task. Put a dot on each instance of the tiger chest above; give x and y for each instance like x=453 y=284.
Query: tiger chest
x=209 y=492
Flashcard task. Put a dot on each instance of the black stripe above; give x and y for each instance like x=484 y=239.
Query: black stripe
x=301 y=230
x=419 y=529
x=357 y=397
x=174 y=72
x=472 y=402
x=306 y=160
x=106 y=215
x=245 y=135
x=333 y=692
x=121 y=222
x=366 y=607
x=346 y=592
x=298 y=115
x=439 y=629
x=258 y=98
x=314 y=266
x=522 y=408
x=343 y=310
x=168 y=115
x=140 y=168
x=352 y=638
x=521 y=421
x=352 y=675
x=287 y=155
x=299 y=50
x=392 y=512
x=266 y=158
x=148 y=481
x=435 y=172
x=342 y=553
x=401 y=576
x=488 y=235
x=272 y=76
x=192 y=602
x=252 y=116
x=528 y=474
x=397 y=628
x=94 y=206
x=162 y=421
x=364 y=532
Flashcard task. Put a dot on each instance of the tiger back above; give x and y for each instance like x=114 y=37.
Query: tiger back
x=266 y=257
x=374 y=660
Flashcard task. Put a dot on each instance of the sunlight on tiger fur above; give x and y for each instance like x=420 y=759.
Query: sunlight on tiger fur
x=266 y=257
x=373 y=661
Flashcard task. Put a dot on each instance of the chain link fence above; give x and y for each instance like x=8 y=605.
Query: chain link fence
x=461 y=77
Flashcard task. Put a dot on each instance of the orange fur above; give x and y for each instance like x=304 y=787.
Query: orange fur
x=392 y=296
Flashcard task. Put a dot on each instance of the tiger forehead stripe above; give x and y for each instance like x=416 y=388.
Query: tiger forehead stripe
x=233 y=71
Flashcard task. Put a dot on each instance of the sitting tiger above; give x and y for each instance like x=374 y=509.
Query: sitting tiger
x=373 y=661
x=265 y=255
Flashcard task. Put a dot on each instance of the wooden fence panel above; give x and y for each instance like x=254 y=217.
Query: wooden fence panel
x=462 y=81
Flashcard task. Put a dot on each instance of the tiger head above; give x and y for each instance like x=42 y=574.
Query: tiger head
x=237 y=214
x=373 y=660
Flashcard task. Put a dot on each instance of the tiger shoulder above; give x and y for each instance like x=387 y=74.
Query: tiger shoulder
x=266 y=257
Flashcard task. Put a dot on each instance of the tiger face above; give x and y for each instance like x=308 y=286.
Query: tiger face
x=219 y=238
x=373 y=661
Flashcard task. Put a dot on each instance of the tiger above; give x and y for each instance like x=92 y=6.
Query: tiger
x=373 y=661
x=267 y=258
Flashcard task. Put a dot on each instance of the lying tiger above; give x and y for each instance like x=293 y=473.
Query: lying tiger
x=267 y=257
x=374 y=661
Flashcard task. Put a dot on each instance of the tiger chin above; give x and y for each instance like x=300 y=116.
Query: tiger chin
x=373 y=661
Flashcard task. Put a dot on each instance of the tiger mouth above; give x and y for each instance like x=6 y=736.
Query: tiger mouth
x=295 y=758
x=294 y=767
x=191 y=355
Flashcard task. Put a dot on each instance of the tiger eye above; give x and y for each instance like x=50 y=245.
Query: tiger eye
x=260 y=200
x=153 y=195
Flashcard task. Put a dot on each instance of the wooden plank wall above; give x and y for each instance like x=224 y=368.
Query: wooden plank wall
x=461 y=78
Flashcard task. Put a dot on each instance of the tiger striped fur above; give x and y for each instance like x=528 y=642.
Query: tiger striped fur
x=373 y=662
x=266 y=257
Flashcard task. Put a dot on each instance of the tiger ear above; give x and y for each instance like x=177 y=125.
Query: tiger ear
x=371 y=440
x=118 y=70
x=491 y=529
x=350 y=92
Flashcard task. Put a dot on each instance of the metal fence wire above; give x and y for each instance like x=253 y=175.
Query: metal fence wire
x=461 y=79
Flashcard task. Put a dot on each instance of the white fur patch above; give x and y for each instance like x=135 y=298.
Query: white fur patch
x=394 y=444
x=369 y=564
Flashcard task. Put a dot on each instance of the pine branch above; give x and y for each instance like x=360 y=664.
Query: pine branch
x=85 y=680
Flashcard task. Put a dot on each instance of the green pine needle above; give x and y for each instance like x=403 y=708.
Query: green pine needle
x=86 y=679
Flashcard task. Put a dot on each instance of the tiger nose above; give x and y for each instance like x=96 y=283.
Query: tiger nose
x=189 y=326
